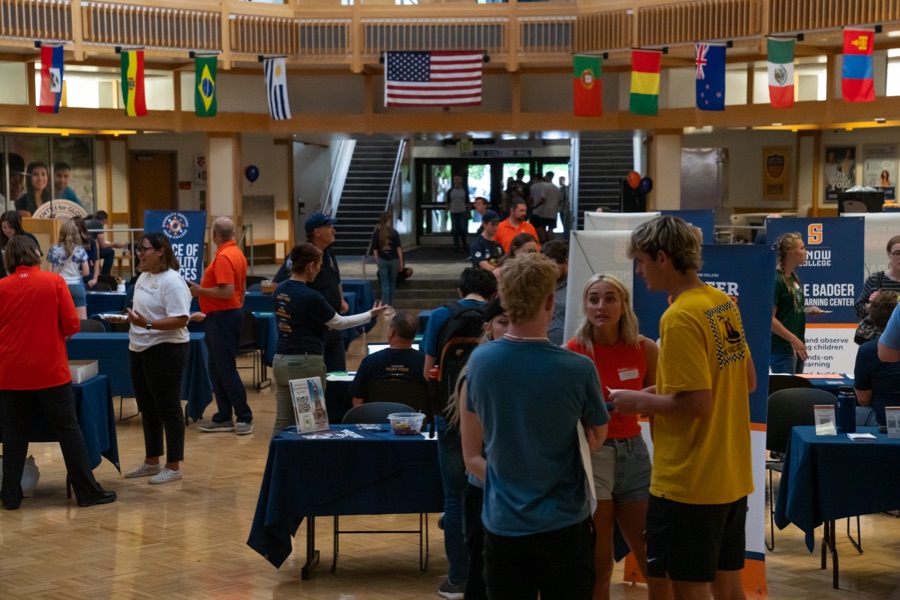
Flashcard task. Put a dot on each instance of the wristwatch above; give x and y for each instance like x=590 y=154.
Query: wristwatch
x=149 y=325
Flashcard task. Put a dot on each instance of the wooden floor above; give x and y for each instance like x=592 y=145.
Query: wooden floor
x=187 y=540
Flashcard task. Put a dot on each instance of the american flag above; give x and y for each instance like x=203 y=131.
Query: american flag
x=436 y=78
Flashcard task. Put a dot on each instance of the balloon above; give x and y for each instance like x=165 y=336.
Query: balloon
x=251 y=173
x=646 y=185
x=634 y=180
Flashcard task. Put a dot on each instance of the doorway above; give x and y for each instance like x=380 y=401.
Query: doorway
x=152 y=183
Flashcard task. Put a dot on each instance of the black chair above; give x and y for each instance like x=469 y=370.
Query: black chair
x=413 y=393
x=109 y=280
x=102 y=287
x=92 y=326
x=377 y=412
x=789 y=408
x=249 y=345
x=253 y=280
x=786 y=382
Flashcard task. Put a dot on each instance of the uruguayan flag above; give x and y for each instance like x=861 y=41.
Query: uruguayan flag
x=276 y=89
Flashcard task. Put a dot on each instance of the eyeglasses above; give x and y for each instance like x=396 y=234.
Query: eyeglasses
x=142 y=249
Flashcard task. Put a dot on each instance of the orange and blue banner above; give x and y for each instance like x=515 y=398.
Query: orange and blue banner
x=51 y=78
x=856 y=80
x=133 y=83
x=710 y=74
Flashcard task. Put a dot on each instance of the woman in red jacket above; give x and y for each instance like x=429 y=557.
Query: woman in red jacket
x=38 y=314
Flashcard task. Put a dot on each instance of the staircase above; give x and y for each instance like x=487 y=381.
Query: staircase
x=416 y=295
x=365 y=194
x=603 y=162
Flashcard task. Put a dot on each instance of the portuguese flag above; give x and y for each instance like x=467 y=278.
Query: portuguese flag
x=781 y=72
x=133 y=83
x=645 y=82
x=587 y=84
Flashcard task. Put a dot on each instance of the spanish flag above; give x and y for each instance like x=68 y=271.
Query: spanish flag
x=645 y=66
x=133 y=83
x=588 y=85
x=856 y=80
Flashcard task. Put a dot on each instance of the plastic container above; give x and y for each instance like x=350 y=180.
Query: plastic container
x=845 y=412
x=406 y=423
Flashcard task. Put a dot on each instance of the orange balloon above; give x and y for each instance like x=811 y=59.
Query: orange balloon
x=634 y=179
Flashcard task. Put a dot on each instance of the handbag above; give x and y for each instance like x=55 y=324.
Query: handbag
x=865 y=331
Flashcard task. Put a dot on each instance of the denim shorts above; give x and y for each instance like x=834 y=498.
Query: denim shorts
x=78 y=294
x=622 y=470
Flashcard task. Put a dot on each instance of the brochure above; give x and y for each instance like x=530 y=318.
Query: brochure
x=309 y=404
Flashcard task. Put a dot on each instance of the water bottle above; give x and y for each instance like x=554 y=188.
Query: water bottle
x=846 y=410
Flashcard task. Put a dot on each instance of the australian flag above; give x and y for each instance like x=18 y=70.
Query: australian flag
x=710 y=61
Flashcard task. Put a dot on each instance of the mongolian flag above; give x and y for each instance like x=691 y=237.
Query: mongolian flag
x=645 y=66
x=51 y=78
x=133 y=83
x=856 y=83
x=588 y=85
x=205 y=85
x=276 y=88
x=781 y=72
x=710 y=73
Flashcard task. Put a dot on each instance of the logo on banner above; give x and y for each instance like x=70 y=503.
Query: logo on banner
x=59 y=209
x=175 y=225
x=814 y=235
x=775 y=165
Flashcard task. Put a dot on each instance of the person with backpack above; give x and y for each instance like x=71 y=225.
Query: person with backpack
x=452 y=333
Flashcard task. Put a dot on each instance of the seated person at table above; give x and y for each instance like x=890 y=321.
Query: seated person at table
x=877 y=383
x=398 y=361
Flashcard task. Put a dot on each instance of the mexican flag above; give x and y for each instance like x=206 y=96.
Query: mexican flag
x=645 y=66
x=781 y=72
x=133 y=83
x=587 y=84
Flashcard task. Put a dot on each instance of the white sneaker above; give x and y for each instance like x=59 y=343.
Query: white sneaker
x=144 y=470
x=165 y=476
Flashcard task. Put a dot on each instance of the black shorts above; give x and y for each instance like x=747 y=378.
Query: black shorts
x=690 y=542
x=539 y=221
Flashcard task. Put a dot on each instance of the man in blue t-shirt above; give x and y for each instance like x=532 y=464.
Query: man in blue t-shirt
x=398 y=361
x=521 y=437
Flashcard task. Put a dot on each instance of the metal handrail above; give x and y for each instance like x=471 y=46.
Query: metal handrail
x=393 y=190
x=248 y=227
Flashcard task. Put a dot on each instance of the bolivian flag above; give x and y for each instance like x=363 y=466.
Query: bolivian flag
x=588 y=85
x=133 y=83
x=645 y=82
x=205 y=86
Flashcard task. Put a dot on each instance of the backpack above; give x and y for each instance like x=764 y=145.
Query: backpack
x=458 y=336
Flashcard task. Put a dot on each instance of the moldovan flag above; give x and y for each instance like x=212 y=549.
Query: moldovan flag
x=51 y=78
x=205 y=85
x=645 y=82
x=710 y=74
x=588 y=85
x=133 y=83
x=781 y=72
x=276 y=88
x=857 y=84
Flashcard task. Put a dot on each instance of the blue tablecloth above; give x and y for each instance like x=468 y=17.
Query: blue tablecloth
x=831 y=382
x=380 y=474
x=111 y=350
x=105 y=302
x=831 y=477
x=96 y=417
x=266 y=335
x=258 y=302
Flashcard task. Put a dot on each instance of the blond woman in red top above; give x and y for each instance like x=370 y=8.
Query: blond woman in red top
x=38 y=314
x=625 y=359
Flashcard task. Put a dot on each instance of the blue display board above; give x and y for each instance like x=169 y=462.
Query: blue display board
x=185 y=230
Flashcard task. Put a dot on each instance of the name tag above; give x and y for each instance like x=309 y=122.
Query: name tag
x=626 y=374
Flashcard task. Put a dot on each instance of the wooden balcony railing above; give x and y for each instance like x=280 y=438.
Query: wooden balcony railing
x=381 y=34
x=801 y=15
x=604 y=30
x=36 y=19
x=695 y=21
x=151 y=27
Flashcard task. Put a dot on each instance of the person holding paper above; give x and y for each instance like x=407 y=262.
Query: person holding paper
x=303 y=316
x=609 y=336
x=700 y=410
x=158 y=342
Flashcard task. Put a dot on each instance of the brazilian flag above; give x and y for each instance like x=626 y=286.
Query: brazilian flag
x=205 y=85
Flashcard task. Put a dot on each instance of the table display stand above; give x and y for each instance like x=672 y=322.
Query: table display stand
x=829 y=545
x=422 y=532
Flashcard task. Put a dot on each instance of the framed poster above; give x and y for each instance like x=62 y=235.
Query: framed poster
x=776 y=173
x=73 y=170
x=30 y=184
x=880 y=168
x=840 y=171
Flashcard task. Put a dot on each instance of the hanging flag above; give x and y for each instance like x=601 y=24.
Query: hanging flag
x=857 y=84
x=645 y=66
x=710 y=62
x=51 y=78
x=205 y=85
x=781 y=72
x=276 y=88
x=133 y=83
x=587 y=84
x=433 y=78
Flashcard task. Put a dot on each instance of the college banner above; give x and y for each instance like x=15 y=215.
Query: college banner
x=831 y=281
x=186 y=230
x=743 y=272
x=704 y=220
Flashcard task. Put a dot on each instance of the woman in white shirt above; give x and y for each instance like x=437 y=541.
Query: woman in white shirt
x=70 y=260
x=159 y=350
